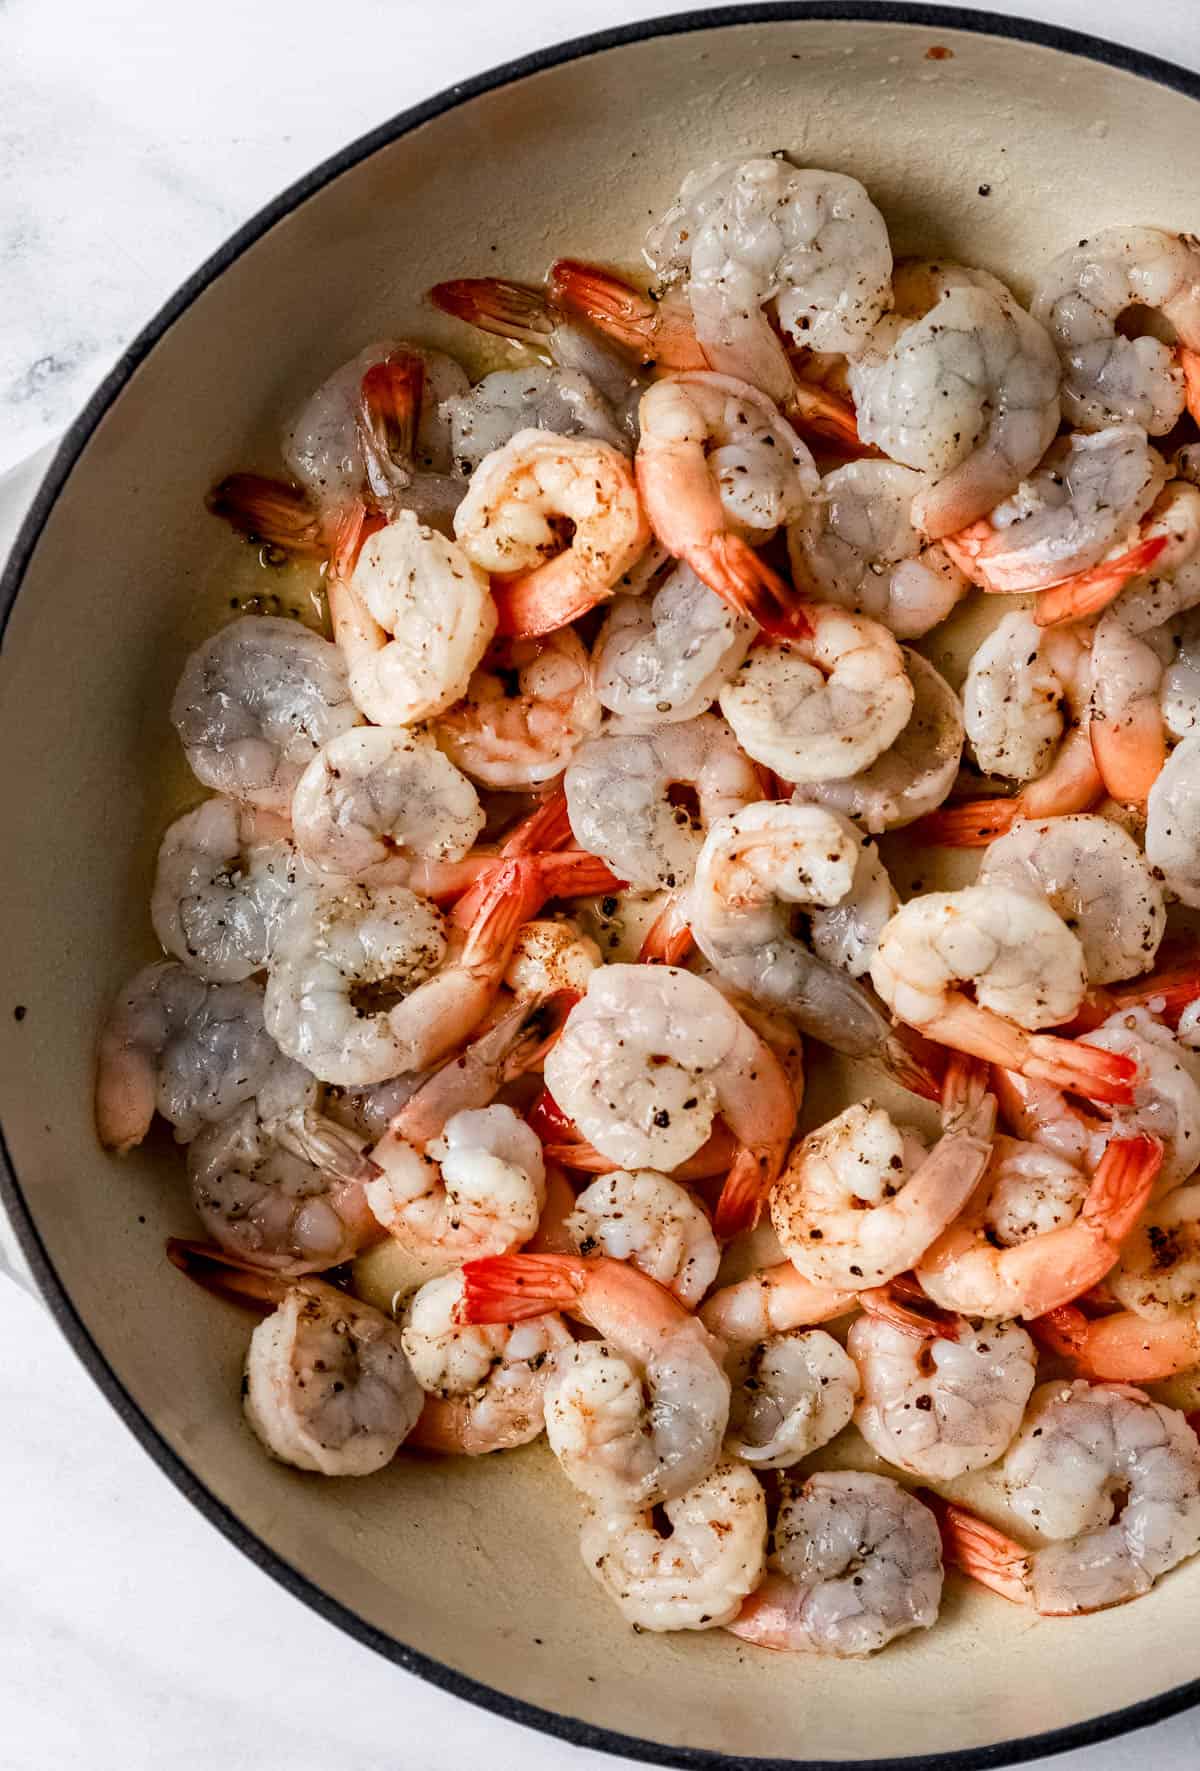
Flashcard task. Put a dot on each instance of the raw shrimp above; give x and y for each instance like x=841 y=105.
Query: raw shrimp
x=1111 y=1479
x=967 y=395
x=1166 y=1089
x=511 y=522
x=485 y=1385
x=1094 y=875
x=657 y=330
x=1167 y=540
x=379 y=793
x=1129 y=740
x=413 y=619
x=1173 y=822
x=792 y=1393
x=635 y=1418
x=478 y=1188
x=254 y=704
x=860 y=1200
x=327 y=1385
x=772 y=1301
x=857 y=546
x=654 y=1224
x=965 y=1270
x=1181 y=679
x=649 y=1058
x=618 y=789
x=696 y=1577
x=664 y=657
x=938 y=1408
x=824 y=707
x=1079 y=298
x=718 y=466
x=857 y=1562
x=1012 y=699
x=523 y=734
x=539 y=397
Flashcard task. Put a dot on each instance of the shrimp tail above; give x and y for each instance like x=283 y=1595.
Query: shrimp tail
x=1063 y=1331
x=225 y=1276
x=515 y=1287
x=497 y=306
x=745 y=1190
x=903 y=1305
x=1189 y=362
x=668 y=940
x=1081 y=1069
x=389 y=407
x=818 y=412
x=1168 y=989
x=965 y=1081
x=548 y=1120
x=269 y=512
x=971 y=824
x=1121 y=1185
x=654 y=332
x=549 y=827
x=1089 y=592
x=909 y=1059
x=730 y=566
x=987 y=1554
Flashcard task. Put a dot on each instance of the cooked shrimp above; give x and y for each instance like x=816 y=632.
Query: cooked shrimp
x=772 y=1301
x=938 y=1408
x=551 y=956
x=1173 y=822
x=478 y=1188
x=1081 y=294
x=654 y=1224
x=856 y=545
x=718 y=466
x=664 y=657
x=1166 y=1089
x=658 y=331
x=1181 y=679
x=1032 y=1189
x=1012 y=698
x=1111 y=1479
x=649 y=1058
x=1167 y=540
x=538 y=397
x=824 y=707
x=511 y=522
x=857 y=1562
x=696 y=1577
x=618 y=788
x=485 y=1386
x=523 y=734
x=792 y=1393
x=254 y=704
x=1095 y=877
x=637 y=1417
x=1129 y=740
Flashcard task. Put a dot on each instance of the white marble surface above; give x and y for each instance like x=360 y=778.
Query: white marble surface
x=133 y=137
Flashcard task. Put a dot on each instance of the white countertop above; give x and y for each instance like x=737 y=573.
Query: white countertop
x=136 y=135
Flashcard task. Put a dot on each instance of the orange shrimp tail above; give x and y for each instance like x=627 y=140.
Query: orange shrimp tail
x=1189 y=362
x=914 y=1061
x=512 y=894
x=269 y=512
x=574 y=873
x=1088 y=592
x=514 y=1287
x=979 y=1549
x=744 y=1194
x=965 y=1081
x=633 y=321
x=1063 y=1332
x=818 y=412
x=549 y=827
x=903 y=1305
x=226 y=1276
x=1121 y=1186
x=1130 y=753
x=548 y=1120
x=667 y=940
x=390 y=404
x=730 y=566
x=1082 y=1069
x=493 y=304
x=354 y=527
x=1169 y=988
x=544 y=599
x=971 y=824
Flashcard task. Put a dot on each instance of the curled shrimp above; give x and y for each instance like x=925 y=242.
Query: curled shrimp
x=653 y=1223
x=477 y=1188
x=1149 y=582
x=1012 y=698
x=637 y=1417
x=525 y=736
x=773 y=1300
x=665 y=656
x=1129 y=739
x=539 y=397
x=792 y=1393
x=1181 y=679
x=1173 y=822
x=1032 y=1189
x=1165 y=1089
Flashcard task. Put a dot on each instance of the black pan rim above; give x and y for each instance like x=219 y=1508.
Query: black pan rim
x=568 y=1728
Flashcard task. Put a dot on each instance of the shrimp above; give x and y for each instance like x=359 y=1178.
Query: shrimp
x=964 y=1270
x=770 y=1302
x=1167 y=540
x=1110 y=1479
x=654 y=1224
x=254 y=704
x=511 y=523
x=1129 y=740
x=1166 y=1089
x=562 y=401
x=857 y=1562
x=413 y=620
x=525 y=736
x=1180 y=696
x=549 y=957
x=1094 y=875
x=618 y=788
x=649 y=1058
x=657 y=330
x=918 y=770
x=1012 y=698
x=1027 y=970
x=633 y=1419
x=936 y=1407
x=380 y=793
x=1032 y=1189
x=1173 y=822
x=860 y=1200
x=792 y=1393
x=696 y=1577
x=478 y=1188
x=856 y=545
x=718 y=466
x=825 y=707
x=485 y=1385
x=664 y=657
x=1081 y=294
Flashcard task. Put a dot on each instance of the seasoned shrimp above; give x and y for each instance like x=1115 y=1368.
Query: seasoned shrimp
x=695 y=1578
x=938 y=1408
x=1173 y=822
x=649 y=1058
x=637 y=1417
x=1180 y=695
x=478 y=1188
x=523 y=735
x=413 y=620
x=539 y=397
x=792 y=1393
x=967 y=395
x=770 y=1302
x=857 y=546
x=551 y=956
x=1032 y=1189
x=618 y=789
x=1129 y=739
x=254 y=704
x=1012 y=697
x=654 y=1224
x=857 y=1562
x=1166 y=1089
x=485 y=1386
x=1153 y=580
x=1081 y=294
x=664 y=657
x=327 y=1385
x=511 y=522
x=824 y=707
x=1094 y=875
x=718 y=466
x=1108 y=1480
